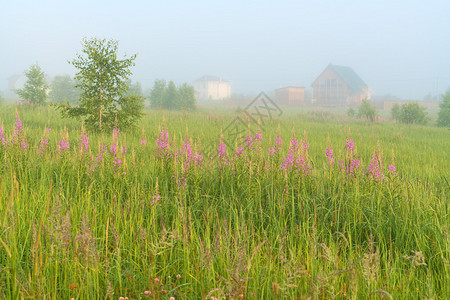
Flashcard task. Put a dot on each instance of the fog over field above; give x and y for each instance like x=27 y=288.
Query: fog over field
x=397 y=47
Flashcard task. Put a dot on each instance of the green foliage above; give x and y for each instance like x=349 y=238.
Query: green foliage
x=35 y=89
x=351 y=112
x=103 y=79
x=172 y=98
x=367 y=111
x=444 y=112
x=156 y=93
x=134 y=89
x=187 y=96
x=63 y=89
x=410 y=113
x=395 y=111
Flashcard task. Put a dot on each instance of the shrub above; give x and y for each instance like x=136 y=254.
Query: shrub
x=444 y=112
x=411 y=113
x=351 y=112
x=367 y=111
x=395 y=112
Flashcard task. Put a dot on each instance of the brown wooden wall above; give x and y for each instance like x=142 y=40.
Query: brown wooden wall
x=330 y=90
x=290 y=96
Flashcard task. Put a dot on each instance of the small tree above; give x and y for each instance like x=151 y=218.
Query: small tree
x=395 y=111
x=63 y=89
x=187 y=96
x=35 y=89
x=412 y=113
x=170 y=96
x=444 y=112
x=103 y=79
x=156 y=93
x=351 y=112
x=367 y=111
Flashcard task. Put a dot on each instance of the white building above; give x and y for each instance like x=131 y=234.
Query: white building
x=212 y=88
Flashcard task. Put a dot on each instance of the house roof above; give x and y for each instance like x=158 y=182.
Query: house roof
x=289 y=87
x=354 y=82
x=211 y=78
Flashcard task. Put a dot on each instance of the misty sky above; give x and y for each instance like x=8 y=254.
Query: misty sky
x=397 y=47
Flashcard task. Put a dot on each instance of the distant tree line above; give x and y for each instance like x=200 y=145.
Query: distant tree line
x=64 y=89
x=168 y=96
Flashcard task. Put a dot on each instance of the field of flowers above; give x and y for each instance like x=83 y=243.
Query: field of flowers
x=298 y=208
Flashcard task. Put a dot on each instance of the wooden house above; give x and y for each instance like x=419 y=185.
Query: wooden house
x=339 y=86
x=290 y=95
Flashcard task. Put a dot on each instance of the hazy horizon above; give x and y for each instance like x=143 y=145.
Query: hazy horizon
x=396 y=48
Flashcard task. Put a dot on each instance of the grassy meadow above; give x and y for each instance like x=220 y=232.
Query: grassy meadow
x=308 y=206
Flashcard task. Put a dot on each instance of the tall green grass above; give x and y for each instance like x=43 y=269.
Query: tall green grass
x=247 y=231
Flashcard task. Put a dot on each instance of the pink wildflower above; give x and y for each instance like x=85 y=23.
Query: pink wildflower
x=249 y=142
x=294 y=146
x=2 y=137
x=113 y=149
x=117 y=162
x=63 y=145
x=392 y=170
x=305 y=146
x=375 y=169
x=329 y=155
x=278 y=142
x=239 y=152
x=115 y=134
x=350 y=146
x=155 y=200
x=222 y=151
x=163 y=142
x=258 y=137
x=84 y=143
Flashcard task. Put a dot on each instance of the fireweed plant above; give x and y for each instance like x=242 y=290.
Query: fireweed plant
x=271 y=215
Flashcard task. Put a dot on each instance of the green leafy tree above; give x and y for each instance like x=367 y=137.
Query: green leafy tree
x=444 y=111
x=103 y=79
x=156 y=93
x=187 y=97
x=410 y=113
x=395 y=111
x=63 y=89
x=170 y=96
x=367 y=111
x=35 y=89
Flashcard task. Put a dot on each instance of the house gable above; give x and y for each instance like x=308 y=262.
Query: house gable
x=339 y=85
